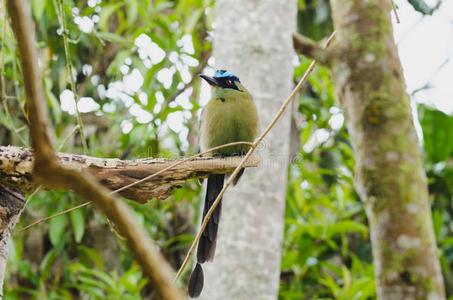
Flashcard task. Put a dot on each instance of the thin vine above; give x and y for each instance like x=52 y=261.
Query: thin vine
x=70 y=69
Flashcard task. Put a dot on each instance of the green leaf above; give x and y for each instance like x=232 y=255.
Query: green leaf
x=437 y=134
x=94 y=282
x=96 y=292
x=105 y=14
x=132 y=11
x=57 y=227
x=193 y=21
x=37 y=7
x=53 y=102
x=91 y=256
x=421 y=6
x=437 y=223
x=112 y=37
x=78 y=224
x=49 y=259
x=347 y=227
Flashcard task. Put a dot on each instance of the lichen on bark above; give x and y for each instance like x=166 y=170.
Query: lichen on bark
x=12 y=203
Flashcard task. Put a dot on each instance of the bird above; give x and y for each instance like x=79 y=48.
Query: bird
x=229 y=116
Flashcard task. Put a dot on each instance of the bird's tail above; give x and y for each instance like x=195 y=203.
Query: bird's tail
x=207 y=243
x=238 y=176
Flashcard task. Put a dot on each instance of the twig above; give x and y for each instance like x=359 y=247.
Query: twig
x=54 y=216
x=427 y=84
x=32 y=194
x=310 y=48
x=230 y=180
x=395 y=11
x=17 y=90
x=66 y=138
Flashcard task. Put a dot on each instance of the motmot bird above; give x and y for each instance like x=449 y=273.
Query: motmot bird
x=230 y=116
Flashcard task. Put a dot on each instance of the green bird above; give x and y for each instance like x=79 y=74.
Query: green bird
x=230 y=116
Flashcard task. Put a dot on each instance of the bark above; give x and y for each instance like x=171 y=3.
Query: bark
x=12 y=203
x=390 y=178
x=16 y=166
x=253 y=39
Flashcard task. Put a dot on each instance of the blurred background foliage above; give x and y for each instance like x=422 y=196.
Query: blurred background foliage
x=132 y=66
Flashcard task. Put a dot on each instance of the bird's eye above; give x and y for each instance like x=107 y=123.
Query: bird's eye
x=229 y=82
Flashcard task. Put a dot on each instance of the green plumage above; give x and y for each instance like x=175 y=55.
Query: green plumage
x=230 y=116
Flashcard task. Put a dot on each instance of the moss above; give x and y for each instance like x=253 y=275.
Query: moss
x=399 y=268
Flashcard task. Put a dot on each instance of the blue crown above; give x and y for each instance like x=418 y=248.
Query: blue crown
x=225 y=74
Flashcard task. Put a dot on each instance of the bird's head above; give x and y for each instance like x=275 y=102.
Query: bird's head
x=224 y=79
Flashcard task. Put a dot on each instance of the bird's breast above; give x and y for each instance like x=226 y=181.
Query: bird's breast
x=226 y=122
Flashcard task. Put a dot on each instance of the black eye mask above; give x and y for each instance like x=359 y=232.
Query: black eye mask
x=227 y=82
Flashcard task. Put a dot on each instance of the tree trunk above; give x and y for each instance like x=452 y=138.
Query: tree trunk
x=12 y=204
x=389 y=173
x=253 y=40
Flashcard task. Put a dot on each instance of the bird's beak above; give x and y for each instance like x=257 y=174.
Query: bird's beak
x=210 y=80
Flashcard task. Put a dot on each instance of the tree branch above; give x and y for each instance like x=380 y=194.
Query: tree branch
x=50 y=173
x=308 y=47
x=16 y=165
